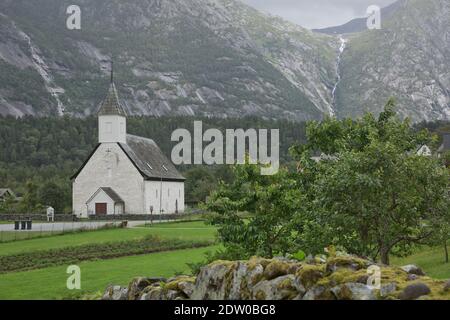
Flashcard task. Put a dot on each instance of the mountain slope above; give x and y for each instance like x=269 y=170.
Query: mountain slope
x=409 y=58
x=203 y=57
x=220 y=58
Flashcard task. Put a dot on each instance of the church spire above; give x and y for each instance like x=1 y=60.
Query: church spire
x=112 y=71
x=111 y=104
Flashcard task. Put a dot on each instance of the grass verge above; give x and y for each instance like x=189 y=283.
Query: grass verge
x=196 y=231
x=430 y=259
x=50 y=283
x=72 y=255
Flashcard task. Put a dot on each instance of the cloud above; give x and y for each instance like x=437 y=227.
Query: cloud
x=317 y=13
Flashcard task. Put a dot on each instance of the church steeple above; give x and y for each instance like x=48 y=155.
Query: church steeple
x=111 y=104
x=112 y=71
x=112 y=116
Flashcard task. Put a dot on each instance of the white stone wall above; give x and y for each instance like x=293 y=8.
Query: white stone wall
x=172 y=192
x=109 y=166
x=112 y=128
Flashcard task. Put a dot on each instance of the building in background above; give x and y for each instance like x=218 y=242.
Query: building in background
x=125 y=174
x=5 y=193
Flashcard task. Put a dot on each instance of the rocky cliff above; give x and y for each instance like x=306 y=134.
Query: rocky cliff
x=335 y=278
x=219 y=58
x=200 y=57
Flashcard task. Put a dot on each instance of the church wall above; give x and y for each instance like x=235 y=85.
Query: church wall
x=109 y=169
x=112 y=128
x=172 y=193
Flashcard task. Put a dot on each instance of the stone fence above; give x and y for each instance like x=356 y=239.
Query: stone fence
x=70 y=217
x=36 y=217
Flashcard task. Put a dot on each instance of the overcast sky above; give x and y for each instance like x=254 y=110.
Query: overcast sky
x=317 y=13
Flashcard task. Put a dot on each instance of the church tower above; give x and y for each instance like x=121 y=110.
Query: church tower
x=112 y=121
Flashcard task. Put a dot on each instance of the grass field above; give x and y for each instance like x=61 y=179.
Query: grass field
x=431 y=260
x=182 y=230
x=50 y=283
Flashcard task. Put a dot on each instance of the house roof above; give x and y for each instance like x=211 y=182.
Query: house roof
x=111 y=104
x=3 y=191
x=149 y=159
x=445 y=144
x=110 y=193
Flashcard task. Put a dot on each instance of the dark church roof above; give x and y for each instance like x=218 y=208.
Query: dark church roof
x=445 y=144
x=149 y=159
x=111 y=104
x=112 y=194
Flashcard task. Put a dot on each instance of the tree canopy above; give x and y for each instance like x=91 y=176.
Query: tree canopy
x=370 y=193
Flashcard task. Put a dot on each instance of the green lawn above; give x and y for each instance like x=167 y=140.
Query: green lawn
x=50 y=283
x=183 y=230
x=431 y=260
x=8 y=236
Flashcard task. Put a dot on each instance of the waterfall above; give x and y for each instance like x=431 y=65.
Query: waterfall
x=42 y=68
x=338 y=74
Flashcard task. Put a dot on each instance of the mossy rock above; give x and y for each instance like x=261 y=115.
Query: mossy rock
x=309 y=274
x=344 y=276
x=221 y=263
x=260 y=295
x=254 y=261
x=349 y=262
x=275 y=269
x=174 y=284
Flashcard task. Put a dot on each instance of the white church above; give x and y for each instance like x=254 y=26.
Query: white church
x=125 y=174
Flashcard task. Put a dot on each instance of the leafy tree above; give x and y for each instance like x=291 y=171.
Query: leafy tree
x=9 y=205
x=372 y=195
x=30 y=202
x=52 y=195
x=270 y=203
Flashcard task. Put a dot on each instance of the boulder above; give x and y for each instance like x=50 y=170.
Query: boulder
x=186 y=287
x=281 y=288
x=354 y=291
x=414 y=291
x=350 y=262
x=308 y=275
x=276 y=269
x=137 y=285
x=447 y=286
x=255 y=274
x=115 y=293
x=387 y=289
x=152 y=293
x=412 y=277
x=413 y=269
x=214 y=281
x=319 y=293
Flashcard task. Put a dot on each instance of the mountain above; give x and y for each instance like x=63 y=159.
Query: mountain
x=219 y=58
x=409 y=58
x=198 y=57
x=360 y=24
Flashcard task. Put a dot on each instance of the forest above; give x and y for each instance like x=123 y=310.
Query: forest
x=39 y=155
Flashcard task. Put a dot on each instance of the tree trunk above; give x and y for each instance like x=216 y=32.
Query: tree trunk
x=384 y=255
x=446 y=251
